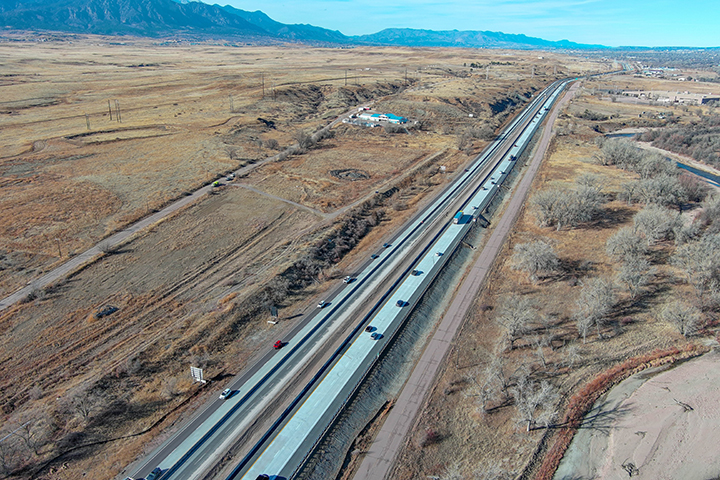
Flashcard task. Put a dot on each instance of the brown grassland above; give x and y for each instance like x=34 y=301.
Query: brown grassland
x=195 y=287
x=455 y=437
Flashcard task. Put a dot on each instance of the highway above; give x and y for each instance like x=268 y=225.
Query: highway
x=198 y=446
x=295 y=439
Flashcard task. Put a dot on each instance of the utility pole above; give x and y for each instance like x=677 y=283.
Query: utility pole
x=109 y=109
x=346 y=77
x=59 y=251
x=87 y=121
x=533 y=71
x=232 y=108
x=117 y=110
x=263 y=84
x=406 y=76
x=487 y=73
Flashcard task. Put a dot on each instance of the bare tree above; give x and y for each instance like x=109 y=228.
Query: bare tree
x=572 y=355
x=305 y=141
x=591 y=180
x=560 y=208
x=272 y=144
x=453 y=472
x=700 y=263
x=684 y=317
x=656 y=223
x=593 y=305
x=84 y=404
x=654 y=164
x=535 y=258
x=515 y=316
x=621 y=153
x=635 y=273
x=495 y=375
x=535 y=403
x=661 y=190
x=625 y=245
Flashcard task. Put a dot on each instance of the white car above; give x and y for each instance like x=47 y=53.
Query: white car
x=225 y=394
x=322 y=304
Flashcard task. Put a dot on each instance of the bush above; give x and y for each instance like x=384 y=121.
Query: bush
x=684 y=317
x=534 y=258
x=656 y=223
x=561 y=208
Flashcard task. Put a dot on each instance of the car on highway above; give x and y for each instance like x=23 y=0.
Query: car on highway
x=415 y=273
x=278 y=345
x=374 y=256
x=348 y=279
x=400 y=303
x=376 y=336
x=157 y=471
x=387 y=245
x=322 y=304
x=226 y=394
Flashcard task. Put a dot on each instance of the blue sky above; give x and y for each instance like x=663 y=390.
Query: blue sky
x=694 y=23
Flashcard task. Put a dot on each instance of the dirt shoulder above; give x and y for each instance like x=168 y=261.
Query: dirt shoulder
x=665 y=422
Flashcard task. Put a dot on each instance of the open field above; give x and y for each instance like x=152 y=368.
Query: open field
x=195 y=288
x=470 y=426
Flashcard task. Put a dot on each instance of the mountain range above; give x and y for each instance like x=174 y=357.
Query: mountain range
x=190 y=19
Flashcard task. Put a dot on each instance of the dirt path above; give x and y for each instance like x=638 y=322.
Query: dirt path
x=378 y=461
x=659 y=424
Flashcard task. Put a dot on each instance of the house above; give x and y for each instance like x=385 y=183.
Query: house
x=382 y=117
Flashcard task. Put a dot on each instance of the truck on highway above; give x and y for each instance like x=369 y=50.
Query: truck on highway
x=458 y=216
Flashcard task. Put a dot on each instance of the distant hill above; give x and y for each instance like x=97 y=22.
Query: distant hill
x=147 y=18
x=469 y=39
x=291 y=32
x=164 y=18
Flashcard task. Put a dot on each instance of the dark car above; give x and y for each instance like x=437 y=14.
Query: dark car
x=154 y=474
x=415 y=273
x=400 y=303
x=387 y=245
x=278 y=345
x=376 y=336
x=374 y=256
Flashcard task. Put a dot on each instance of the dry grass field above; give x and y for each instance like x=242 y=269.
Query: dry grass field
x=455 y=436
x=194 y=288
